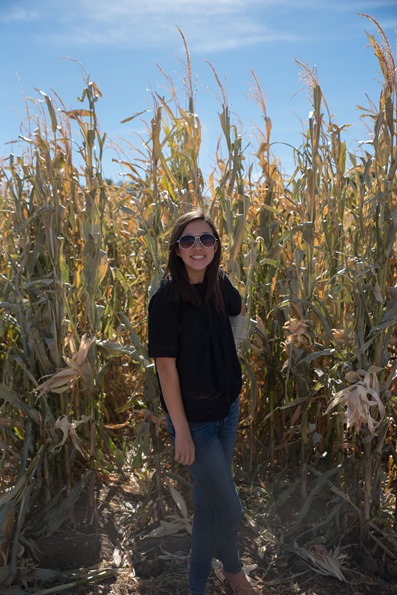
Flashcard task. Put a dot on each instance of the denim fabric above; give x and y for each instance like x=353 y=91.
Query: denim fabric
x=217 y=506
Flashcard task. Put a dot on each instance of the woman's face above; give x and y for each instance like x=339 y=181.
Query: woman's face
x=197 y=258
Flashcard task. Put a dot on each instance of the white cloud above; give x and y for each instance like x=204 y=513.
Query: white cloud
x=17 y=14
x=219 y=23
x=209 y=25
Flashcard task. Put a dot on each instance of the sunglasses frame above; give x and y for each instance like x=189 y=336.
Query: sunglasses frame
x=197 y=237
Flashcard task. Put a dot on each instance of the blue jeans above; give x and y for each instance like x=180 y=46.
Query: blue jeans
x=217 y=506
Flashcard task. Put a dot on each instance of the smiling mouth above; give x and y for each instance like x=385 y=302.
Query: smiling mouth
x=198 y=257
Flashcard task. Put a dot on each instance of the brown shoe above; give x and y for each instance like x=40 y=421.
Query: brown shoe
x=240 y=584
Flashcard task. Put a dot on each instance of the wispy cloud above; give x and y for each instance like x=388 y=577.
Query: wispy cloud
x=209 y=25
x=15 y=13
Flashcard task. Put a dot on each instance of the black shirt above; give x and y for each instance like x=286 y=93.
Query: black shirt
x=201 y=340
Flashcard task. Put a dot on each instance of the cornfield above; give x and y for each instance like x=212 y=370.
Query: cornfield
x=314 y=255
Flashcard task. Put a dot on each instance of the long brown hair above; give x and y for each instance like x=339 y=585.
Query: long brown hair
x=176 y=270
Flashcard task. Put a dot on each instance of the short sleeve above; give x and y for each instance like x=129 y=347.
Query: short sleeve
x=163 y=326
x=232 y=297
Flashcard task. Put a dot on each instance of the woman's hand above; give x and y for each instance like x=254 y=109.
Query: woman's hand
x=184 y=448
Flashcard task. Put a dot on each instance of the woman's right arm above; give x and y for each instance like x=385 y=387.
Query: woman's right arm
x=171 y=391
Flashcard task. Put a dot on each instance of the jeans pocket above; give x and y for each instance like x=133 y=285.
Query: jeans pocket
x=202 y=432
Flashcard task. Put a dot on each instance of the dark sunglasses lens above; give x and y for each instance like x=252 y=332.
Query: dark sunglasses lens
x=207 y=240
x=187 y=241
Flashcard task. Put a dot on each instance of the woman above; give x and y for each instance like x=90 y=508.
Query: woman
x=191 y=340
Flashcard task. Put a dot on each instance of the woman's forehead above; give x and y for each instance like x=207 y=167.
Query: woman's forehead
x=196 y=227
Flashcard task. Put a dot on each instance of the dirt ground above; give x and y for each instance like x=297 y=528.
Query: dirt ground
x=115 y=552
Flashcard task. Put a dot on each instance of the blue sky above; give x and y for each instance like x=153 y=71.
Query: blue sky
x=121 y=43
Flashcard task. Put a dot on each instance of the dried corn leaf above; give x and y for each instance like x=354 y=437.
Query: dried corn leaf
x=175 y=556
x=68 y=429
x=82 y=352
x=64 y=379
x=135 y=487
x=59 y=383
x=338 y=335
x=170 y=528
x=179 y=501
x=323 y=561
x=117 y=557
x=360 y=398
x=102 y=266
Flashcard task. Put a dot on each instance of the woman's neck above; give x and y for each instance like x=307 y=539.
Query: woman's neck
x=196 y=277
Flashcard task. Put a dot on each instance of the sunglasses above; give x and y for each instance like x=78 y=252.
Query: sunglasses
x=207 y=240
